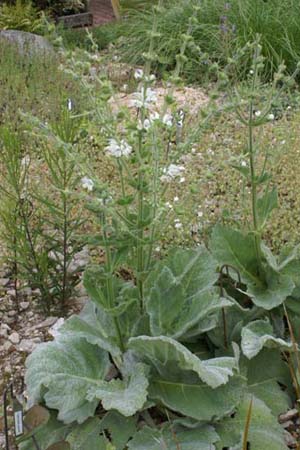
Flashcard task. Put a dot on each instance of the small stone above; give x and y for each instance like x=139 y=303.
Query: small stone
x=289 y=425
x=4 y=330
x=7 y=347
x=11 y=292
x=7 y=369
x=47 y=322
x=24 y=305
x=26 y=291
x=289 y=439
x=14 y=338
x=289 y=415
x=9 y=320
x=12 y=313
x=27 y=345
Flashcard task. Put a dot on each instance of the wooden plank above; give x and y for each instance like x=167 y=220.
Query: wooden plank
x=77 y=20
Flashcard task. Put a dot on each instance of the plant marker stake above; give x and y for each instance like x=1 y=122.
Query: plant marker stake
x=17 y=410
x=18 y=414
x=5 y=406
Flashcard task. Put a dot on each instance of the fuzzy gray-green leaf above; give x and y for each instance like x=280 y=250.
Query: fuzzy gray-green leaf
x=66 y=368
x=180 y=292
x=126 y=396
x=259 y=334
x=200 y=438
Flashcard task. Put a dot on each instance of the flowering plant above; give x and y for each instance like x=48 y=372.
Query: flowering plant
x=164 y=354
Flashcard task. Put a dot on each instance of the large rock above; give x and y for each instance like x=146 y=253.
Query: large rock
x=27 y=43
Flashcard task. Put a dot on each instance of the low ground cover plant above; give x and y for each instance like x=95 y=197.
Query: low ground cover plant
x=184 y=352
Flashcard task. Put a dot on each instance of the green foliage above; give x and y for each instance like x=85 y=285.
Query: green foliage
x=21 y=16
x=264 y=432
x=174 y=351
x=42 y=227
x=220 y=29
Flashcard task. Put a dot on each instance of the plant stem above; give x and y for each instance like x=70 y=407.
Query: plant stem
x=257 y=236
x=140 y=231
x=109 y=284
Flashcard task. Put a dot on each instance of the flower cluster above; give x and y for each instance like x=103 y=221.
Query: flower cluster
x=144 y=98
x=118 y=149
x=172 y=172
x=87 y=183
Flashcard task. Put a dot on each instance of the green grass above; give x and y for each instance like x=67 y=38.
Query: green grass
x=33 y=85
x=275 y=20
x=103 y=35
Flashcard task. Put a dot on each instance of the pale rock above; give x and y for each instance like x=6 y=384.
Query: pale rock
x=4 y=281
x=12 y=313
x=27 y=43
x=7 y=347
x=47 y=322
x=289 y=415
x=289 y=439
x=24 y=305
x=11 y=292
x=27 y=345
x=14 y=338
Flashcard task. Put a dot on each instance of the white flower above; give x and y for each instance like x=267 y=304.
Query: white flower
x=178 y=224
x=251 y=72
x=150 y=78
x=200 y=214
x=69 y=104
x=169 y=205
x=118 y=149
x=87 y=183
x=144 y=98
x=258 y=113
x=147 y=124
x=154 y=116
x=138 y=74
x=182 y=180
x=157 y=249
x=271 y=117
x=243 y=164
x=176 y=199
x=168 y=120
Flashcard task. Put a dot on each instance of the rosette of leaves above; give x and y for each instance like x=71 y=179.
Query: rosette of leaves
x=172 y=384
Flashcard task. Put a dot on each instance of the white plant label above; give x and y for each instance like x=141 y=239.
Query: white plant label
x=18 y=416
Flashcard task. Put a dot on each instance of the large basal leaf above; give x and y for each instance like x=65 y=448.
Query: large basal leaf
x=201 y=438
x=238 y=250
x=126 y=396
x=87 y=436
x=120 y=428
x=94 y=325
x=269 y=380
x=198 y=400
x=50 y=433
x=67 y=368
x=167 y=355
x=179 y=292
x=264 y=433
x=259 y=334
